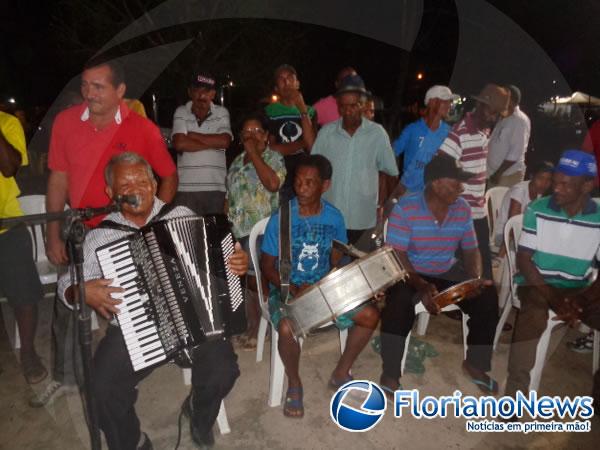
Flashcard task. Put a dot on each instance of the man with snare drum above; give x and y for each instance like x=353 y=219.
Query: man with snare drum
x=426 y=228
x=315 y=223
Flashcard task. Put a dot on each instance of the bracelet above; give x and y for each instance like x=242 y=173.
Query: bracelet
x=303 y=113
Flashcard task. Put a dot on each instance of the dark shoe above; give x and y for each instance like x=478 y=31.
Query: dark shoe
x=146 y=444
x=33 y=369
x=200 y=439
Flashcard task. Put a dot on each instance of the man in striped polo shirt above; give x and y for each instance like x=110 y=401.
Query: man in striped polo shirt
x=557 y=249
x=468 y=143
x=426 y=228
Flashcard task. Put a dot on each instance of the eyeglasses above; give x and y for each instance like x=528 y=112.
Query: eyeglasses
x=255 y=130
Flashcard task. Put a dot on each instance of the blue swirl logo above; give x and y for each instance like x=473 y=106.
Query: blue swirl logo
x=357 y=406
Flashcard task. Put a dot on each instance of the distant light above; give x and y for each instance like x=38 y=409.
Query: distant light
x=12 y=100
x=553 y=81
x=231 y=83
x=420 y=76
x=274 y=98
x=464 y=99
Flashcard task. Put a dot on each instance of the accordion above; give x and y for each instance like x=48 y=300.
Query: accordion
x=179 y=290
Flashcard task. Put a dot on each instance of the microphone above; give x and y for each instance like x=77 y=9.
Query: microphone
x=132 y=200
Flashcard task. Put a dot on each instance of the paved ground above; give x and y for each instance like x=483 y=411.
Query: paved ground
x=254 y=425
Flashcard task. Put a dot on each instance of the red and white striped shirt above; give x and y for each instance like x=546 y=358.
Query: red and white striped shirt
x=468 y=144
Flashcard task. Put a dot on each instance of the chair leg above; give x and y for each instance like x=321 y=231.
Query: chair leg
x=422 y=323
x=277 y=377
x=262 y=335
x=535 y=375
x=503 y=317
x=596 y=353
x=187 y=376
x=343 y=339
x=222 y=421
x=406 y=343
x=465 y=332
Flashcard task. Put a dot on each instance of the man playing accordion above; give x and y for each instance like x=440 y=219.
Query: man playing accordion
x=214 y=363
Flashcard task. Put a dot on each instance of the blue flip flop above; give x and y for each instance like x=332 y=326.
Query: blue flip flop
x=336 y=384
x=490 y=387
x=294 y=405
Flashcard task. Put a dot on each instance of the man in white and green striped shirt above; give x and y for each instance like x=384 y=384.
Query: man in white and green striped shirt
x=559 y=246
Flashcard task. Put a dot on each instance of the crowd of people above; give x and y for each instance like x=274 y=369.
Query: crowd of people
x=333 y=169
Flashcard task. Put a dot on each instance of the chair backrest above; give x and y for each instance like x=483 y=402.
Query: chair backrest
x=257 y=230
x=493 y=201
x=35 y=204
x=512 y=234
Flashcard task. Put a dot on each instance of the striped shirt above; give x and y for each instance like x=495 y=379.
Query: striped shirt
x=101 y=236
x=564 y=248
x=430 y=246
x=203 y=170
x=468 y=144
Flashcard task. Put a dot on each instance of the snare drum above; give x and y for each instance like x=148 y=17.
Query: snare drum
x=458 y=292
x=344 y=289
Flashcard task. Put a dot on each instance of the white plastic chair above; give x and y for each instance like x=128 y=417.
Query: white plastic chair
x=493 y=201
x=277 y=375
x=36 y=204
x=508 y=296
x=222 y=421
x=421 y=311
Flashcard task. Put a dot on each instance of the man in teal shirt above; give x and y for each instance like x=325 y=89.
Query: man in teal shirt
x=358 y=150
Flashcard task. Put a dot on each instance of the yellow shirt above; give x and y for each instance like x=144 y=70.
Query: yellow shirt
x=137 y=106
x=9 y=190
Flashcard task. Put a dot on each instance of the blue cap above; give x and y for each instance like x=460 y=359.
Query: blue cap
x=576 y=163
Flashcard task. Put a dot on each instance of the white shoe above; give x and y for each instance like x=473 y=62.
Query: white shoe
x=53 y=390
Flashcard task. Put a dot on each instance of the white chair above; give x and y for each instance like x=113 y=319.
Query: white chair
x=222 y=421
x=493 y=201
x=36 y=204
x=508 y=296
x=277 y=375
x=421 y=311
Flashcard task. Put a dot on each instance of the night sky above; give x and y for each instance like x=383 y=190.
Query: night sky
x=46 y=42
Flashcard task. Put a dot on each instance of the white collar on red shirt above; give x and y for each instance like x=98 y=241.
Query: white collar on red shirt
x=86 y=115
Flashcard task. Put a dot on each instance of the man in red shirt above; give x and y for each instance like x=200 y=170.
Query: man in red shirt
x=591 y=143
x=84 y=138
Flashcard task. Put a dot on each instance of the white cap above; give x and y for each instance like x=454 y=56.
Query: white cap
x=441 y=92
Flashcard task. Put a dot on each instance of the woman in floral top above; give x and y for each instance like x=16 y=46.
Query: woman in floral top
x=253 y=183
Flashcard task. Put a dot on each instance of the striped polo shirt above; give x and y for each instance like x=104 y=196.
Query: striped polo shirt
x=202 y=170
x=430 y=246
x=468 y=144
x=564 y=248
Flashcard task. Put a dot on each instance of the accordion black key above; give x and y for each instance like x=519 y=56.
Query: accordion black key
x=179 y=290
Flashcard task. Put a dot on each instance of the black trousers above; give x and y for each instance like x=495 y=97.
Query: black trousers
x=482 y=230
x=214 y=372
x=398 y=317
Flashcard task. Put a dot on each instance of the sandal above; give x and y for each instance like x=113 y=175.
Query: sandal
x=583 y=344
x=334 y=384
x=487 y=386
x=249 y=344
x=33 y=369
x=294 y=406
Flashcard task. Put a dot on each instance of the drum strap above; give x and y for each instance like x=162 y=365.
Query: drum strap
x=285 y=260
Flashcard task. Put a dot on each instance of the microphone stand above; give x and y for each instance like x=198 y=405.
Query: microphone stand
x=74 y=234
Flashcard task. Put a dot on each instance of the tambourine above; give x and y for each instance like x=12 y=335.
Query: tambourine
x=458 y=292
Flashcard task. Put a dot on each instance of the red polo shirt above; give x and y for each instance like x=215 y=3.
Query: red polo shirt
x=82 y=151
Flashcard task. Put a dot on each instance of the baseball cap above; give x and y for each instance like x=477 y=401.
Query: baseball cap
x=441 y=92
x=352 y=84
x=445 y=166
x=203 y=79
x=494 y=96
x=284 y=67
x=575 y=163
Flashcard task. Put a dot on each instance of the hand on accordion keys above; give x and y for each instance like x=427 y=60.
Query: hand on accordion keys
x=99 y=296
x=238 y=261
